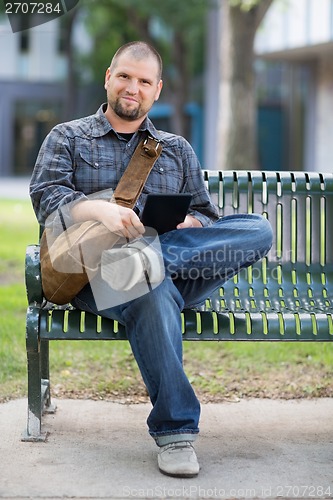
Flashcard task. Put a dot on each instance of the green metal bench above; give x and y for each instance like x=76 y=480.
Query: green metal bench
x=285 y=297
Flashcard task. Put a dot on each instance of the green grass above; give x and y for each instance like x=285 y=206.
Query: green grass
x=107 y=370
x=17 y=229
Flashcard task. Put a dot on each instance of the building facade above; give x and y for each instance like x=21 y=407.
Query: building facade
x=34 y=92
x=32 y=78
x=295 y=43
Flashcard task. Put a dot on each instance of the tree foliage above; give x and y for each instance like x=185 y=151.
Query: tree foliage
x=244 y=5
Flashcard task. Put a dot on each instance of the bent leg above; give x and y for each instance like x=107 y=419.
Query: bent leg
x=200 y=260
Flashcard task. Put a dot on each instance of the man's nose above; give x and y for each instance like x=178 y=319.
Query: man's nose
x=132 y=87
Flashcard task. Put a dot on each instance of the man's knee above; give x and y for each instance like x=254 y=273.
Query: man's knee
x=266 y=234
x=163 y=295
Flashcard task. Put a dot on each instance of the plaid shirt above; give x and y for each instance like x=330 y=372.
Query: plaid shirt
x=87 y=156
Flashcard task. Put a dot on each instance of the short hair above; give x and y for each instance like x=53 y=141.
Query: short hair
x=139 y=50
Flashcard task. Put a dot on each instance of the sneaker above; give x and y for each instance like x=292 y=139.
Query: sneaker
x=178 y=460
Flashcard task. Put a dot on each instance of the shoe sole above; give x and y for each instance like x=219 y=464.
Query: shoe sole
x=181 y=476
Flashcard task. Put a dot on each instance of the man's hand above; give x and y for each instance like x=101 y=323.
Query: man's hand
x=123 y=221
x=189 y=221
x=119 y=220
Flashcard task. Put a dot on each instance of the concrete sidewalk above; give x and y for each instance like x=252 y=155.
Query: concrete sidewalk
x=97 y=449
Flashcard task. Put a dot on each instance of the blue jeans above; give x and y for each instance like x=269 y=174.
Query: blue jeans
x=197 y=261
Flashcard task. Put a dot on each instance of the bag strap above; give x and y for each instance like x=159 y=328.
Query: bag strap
x=133 y=179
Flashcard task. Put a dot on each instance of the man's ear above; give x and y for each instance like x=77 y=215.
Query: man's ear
x=107 y=78
x=159 y=89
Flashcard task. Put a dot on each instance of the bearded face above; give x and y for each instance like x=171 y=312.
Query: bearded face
x=132 y=87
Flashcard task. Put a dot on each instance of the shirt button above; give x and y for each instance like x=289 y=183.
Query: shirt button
x=161 y=169
x=96 y=164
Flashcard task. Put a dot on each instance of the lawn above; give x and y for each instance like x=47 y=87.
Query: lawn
x=218 y=371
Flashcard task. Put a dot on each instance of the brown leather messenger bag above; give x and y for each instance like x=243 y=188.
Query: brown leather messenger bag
x=66 y=259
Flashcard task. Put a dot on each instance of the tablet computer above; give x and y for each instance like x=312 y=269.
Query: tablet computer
x=164 y=212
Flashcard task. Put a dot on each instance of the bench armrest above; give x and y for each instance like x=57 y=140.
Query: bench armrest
x=33 y=279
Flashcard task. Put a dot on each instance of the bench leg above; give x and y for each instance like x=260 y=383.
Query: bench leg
x=47 y=406
x=38 y=393
x=34 y=422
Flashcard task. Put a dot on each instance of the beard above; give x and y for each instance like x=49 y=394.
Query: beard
x=125 y=113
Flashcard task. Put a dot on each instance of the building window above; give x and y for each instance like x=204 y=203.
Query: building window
x=24 y=32
x=62 y=37
x=24 y=41
x=33 y=121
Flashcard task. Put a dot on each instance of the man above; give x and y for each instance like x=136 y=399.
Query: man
x=89 y=155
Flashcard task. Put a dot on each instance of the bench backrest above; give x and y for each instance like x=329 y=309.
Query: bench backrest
x=298 y=205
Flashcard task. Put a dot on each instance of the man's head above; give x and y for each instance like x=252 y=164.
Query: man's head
x=133 y=81
x=139 y=50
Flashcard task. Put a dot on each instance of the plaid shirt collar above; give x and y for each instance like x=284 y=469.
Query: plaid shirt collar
x=101 y=126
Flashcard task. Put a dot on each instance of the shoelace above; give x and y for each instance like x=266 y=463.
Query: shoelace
x=178 y=446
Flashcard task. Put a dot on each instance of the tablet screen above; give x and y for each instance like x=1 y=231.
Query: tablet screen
x=164 y=212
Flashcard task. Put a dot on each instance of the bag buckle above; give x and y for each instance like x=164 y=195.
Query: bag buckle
x=149 y=148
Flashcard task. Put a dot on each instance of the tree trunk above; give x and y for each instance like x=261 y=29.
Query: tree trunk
x=180 y=85
x=71 y=90
x=238 y=111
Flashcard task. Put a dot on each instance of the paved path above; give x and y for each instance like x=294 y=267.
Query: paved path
x=14 y=188
x=98 y=450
